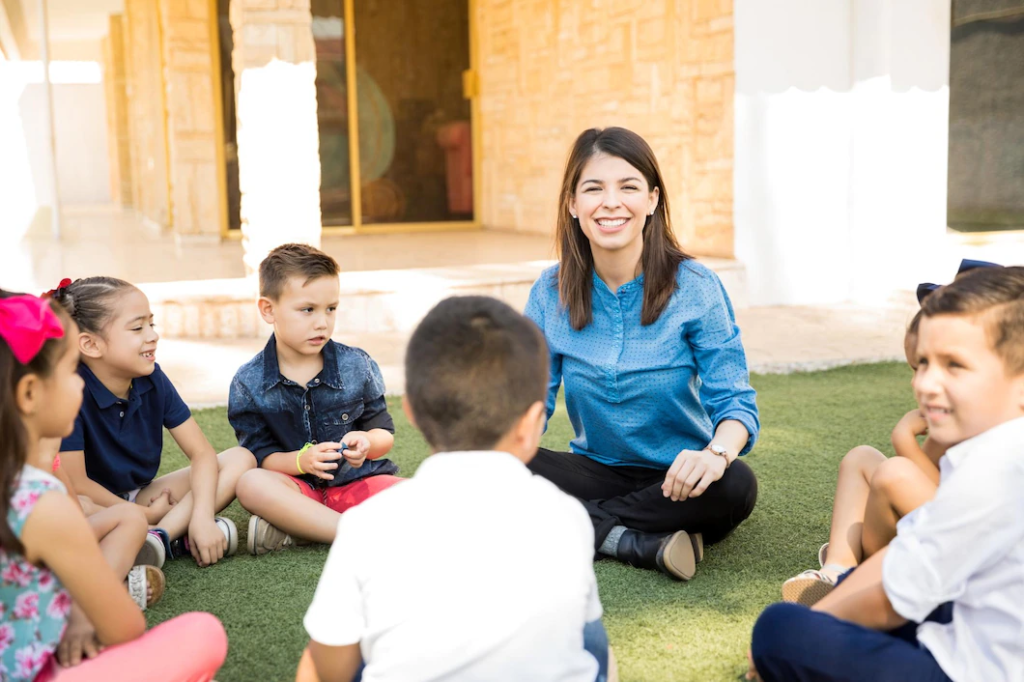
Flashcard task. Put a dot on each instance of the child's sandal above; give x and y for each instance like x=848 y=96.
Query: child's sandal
x=146 y=585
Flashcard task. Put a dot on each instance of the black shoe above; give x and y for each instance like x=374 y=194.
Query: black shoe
x=675 y=555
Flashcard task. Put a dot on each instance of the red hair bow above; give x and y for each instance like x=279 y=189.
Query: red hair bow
x=26 y=323
x=64 y=284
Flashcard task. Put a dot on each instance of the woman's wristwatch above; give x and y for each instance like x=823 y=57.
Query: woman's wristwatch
x=721 y=451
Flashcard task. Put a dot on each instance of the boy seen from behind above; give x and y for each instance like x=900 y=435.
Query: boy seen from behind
x=945 y=600
x=311 y=410
x=474 y=569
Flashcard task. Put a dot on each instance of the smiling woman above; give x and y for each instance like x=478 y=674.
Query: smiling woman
x=656 y=381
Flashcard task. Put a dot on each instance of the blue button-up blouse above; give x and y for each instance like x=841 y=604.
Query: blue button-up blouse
x=637 y=395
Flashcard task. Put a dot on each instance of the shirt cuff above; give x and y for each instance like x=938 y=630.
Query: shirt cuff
x=262 y=453
x=748 y=423
x=902 y=575
x=381 y=420
x=331 y=629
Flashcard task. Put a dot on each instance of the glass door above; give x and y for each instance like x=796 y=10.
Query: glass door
x=395 y=85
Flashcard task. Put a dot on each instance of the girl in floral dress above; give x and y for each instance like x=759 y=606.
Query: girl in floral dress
x=64 y=613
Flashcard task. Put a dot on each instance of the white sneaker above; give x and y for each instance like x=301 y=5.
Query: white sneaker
x=152 y=552
x=227 y=526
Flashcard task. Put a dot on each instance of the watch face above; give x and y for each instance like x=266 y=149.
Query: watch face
x=718 y=450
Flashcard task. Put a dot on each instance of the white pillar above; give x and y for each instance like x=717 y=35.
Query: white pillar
x=274 y=60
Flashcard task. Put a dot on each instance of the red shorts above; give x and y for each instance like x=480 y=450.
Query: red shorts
x=346 y=496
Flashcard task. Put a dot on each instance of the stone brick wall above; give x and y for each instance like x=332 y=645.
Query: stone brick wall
x=117 y=113
x=146 y=110
x=552 y=68
x=191 y=116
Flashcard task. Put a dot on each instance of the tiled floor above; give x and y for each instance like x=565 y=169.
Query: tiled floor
x=106 y=240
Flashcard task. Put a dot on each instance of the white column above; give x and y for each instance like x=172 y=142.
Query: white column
x=274 y=60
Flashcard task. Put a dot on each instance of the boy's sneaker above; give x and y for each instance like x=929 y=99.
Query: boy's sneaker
x=808 y=588
x=153 y=552
x=264 y=537
x=227 y=526
x=175 y=549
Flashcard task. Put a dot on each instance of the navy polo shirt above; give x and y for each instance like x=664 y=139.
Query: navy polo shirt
x=123 y=439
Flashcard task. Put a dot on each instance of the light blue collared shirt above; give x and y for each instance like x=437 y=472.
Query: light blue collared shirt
x=636 y=395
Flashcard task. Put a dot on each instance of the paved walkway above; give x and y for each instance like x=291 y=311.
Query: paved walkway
x=777 y=339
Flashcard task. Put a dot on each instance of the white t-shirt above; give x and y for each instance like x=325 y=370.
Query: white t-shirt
x=966 y=546
x=472 y=570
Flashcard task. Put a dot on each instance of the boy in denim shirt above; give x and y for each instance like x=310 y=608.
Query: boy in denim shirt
x=311 y=410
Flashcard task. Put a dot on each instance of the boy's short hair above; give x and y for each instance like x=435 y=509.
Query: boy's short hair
x=998 y=295
x=289 y=260
x=473 y=367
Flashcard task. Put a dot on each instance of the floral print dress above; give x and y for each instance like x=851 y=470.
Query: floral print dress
x=34 y=606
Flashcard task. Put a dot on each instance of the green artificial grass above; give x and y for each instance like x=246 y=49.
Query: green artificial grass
x=659 y=629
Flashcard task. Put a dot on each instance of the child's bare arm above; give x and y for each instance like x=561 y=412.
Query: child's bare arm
x=335 y=663
x=861 y=599
x=904 y=441
x=204 y=535
x=57 y=535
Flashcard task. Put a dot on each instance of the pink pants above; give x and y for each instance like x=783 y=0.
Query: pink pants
x=189 y=648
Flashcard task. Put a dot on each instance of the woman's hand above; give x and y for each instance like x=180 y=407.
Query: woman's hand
x=692 y=473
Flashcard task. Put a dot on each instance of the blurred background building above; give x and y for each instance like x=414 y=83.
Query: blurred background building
x=816 y=151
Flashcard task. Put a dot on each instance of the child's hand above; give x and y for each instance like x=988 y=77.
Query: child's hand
x=206 y=541
x=79 y=640
x=752 y=672
x=321 y=460
x=158 y=506
x=913 y=424
x=358 y=448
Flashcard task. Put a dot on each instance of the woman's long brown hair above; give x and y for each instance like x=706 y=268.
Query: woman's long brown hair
x=13 y=435
x=661 y=255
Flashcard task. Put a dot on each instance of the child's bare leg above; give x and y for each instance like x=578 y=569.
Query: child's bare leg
x=306 y=671
x=897 y=488
x=121 y=532
x=845 y=546
x=278 y=499
x=232 y=464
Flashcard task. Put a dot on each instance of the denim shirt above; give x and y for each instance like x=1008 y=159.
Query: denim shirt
x=639 y=394
x=271 y=413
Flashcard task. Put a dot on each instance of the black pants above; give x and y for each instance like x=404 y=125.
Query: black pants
x=632 y=497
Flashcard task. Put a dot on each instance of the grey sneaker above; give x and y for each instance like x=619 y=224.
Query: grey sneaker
x=264 y=537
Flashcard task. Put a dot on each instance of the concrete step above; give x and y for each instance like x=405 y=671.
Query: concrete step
x=375 y=301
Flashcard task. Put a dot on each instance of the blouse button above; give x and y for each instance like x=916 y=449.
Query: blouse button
x=316 y=381
x=122 y=414
x=344 y=417
x=306 y=407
